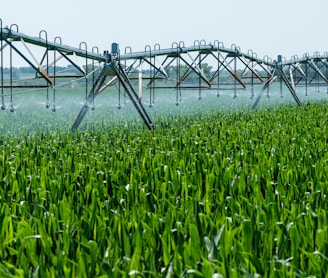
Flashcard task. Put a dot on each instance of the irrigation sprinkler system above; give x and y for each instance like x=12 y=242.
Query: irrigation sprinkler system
x=202 y=66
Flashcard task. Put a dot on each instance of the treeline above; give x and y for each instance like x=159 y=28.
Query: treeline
x=31 y=70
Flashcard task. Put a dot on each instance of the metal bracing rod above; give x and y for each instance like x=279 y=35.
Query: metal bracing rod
x=250 y=68
x=173 y=58
x=198 y=67
x=220 y=63
x=106 y=85
x=163 y=69
x=267 y=66
x=314 y=66
x=289 y=86
x=302 y=77
x=3 y=46
x=312 y=75
x=325 y=62
x=245 y=69
x=265 y=69
x=216 y=74
x=199 y=72
x=89 y=101
x=190 y=68
x=324 y=69
x=158 y=69
x=130 y=69
x=49 y=65
x=125 y=82
x=227 y=67
x=292 y=78
x=194 y=61
x=45 y=57
x=45 y=74
x=298 y=68
x=42 y=73
x=188 y=71
x=78 y=67
x=321 y=67
x=265 y=87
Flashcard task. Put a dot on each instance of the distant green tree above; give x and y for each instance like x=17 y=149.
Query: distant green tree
x=15 y=73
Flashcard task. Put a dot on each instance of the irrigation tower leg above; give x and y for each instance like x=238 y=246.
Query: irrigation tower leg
x=125 y=82
x=287 y=83
x=290 y=87
x=123 y=79
x=265 y=87
x=89 y=101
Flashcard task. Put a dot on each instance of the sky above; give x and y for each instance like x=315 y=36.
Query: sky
x=286 y=27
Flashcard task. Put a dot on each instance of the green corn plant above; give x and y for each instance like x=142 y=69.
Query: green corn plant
x=206 y=194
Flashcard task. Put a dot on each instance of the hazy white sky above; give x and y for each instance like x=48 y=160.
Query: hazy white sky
x=270 y=28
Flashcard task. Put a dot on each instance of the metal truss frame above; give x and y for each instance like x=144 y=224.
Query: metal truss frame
x=199 y=67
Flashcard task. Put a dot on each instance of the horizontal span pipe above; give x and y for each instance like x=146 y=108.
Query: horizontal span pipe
x=16 y=36
x=8 y=33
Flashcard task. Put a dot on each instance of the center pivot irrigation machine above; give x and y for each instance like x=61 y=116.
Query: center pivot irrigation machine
x=231 y=69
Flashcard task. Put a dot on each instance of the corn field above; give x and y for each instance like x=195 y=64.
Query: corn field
x=233 y=194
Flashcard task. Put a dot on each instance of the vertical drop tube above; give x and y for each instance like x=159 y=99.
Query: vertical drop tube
x=140 y=80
